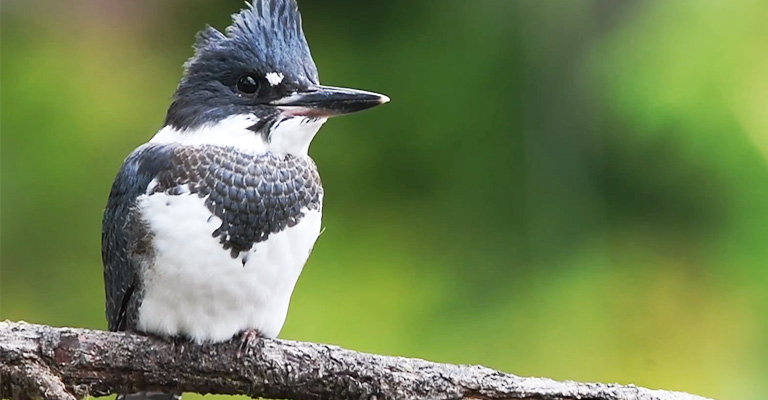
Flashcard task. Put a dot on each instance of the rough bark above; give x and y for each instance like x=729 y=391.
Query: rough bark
x=43 y=362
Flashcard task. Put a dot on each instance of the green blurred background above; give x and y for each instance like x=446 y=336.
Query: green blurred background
x=571 y=189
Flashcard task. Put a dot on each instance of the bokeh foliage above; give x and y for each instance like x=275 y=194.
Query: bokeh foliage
x=571 y=189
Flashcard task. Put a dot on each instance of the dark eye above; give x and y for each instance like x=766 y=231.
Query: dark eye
x=248 y=84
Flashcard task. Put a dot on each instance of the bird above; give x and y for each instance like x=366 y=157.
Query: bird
x=209 y=224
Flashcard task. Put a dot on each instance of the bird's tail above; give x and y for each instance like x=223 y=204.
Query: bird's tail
x=149 y=396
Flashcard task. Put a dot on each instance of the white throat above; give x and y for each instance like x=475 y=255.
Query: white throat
x=291 y=135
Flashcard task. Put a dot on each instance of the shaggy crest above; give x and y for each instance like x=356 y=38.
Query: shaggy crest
x=268 y=32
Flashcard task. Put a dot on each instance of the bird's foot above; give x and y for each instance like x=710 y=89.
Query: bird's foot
x=249 y=338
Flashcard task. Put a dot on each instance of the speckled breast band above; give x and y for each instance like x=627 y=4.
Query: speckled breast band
x=253 y=195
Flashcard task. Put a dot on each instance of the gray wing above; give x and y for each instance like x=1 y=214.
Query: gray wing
x=120 y=231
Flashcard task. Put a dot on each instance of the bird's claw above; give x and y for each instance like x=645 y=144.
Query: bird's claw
x=248 y=339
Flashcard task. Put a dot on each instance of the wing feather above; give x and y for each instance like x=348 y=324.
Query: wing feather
x=120 y=228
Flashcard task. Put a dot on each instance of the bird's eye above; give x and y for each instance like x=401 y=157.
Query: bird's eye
x=248 y=84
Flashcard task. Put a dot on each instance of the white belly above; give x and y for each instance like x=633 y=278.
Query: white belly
x=195 y=288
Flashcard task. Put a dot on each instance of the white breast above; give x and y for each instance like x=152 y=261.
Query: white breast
x=195 y=288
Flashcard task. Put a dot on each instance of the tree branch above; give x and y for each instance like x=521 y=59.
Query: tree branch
x=42 y=362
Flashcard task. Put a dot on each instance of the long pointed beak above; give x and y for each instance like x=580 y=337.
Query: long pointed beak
x=329 y=101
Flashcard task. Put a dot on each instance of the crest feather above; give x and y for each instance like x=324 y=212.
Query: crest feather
x=267 y=32
x=209 y=36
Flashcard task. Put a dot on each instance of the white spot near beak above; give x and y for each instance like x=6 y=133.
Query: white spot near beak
x=274 y=78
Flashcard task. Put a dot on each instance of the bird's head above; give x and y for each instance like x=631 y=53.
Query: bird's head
x=255 y=86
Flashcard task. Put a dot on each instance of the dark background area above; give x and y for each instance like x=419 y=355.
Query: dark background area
x=570 y=189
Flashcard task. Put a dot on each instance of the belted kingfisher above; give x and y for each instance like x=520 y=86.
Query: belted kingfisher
x=209 y=224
